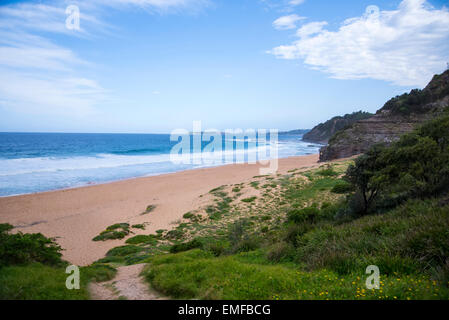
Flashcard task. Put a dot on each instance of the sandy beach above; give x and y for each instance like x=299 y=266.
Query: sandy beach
x=75 y=216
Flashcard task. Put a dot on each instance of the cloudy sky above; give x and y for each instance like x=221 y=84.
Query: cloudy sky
x=157 y=65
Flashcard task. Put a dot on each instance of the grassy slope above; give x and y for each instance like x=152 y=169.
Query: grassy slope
x=40 y=282
x=329 y=257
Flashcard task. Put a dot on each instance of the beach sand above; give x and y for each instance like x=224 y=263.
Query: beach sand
x=75 y=216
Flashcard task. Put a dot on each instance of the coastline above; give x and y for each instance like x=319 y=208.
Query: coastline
x=75 y=215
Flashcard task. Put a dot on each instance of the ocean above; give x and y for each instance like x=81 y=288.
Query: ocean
x=36 y=162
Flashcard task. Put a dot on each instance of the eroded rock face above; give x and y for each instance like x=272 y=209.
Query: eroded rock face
x=398 y=116
x=324 y=131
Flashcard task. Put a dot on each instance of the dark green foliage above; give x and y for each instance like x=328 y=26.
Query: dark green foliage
x=110 y=235
x=250 y=199
x=415 y=166
x=302 y=215
x=327 y=172
x=174 y=234
x=147 y=239
x=123 y=251
x=115 y=231
x=138 y=226
x=188 y=215
x=342 y=187
x=364 y=176
x=150 y=208
x=21 y=249
x=193 y=244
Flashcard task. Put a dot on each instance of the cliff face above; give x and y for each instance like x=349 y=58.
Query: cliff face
x=398 y=116
x=324 y=131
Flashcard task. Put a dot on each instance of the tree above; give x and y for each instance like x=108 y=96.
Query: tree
x=364 y=176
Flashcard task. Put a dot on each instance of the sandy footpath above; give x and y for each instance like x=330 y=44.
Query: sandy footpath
x=77 y=215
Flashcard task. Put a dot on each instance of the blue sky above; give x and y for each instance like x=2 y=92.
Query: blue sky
x=156 y=65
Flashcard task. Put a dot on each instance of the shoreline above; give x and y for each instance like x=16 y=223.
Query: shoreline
x=75 y=215
x=93 y=184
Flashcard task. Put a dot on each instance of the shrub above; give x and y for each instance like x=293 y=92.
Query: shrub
x=250 y=199
x=280 y=251
x=327 y=172
x=302 y=215
x=20 y=249
x=342 y=187
x=150 y=208
x=193 y=244
x=115 y=231
x=147 y=239
x=123 y=250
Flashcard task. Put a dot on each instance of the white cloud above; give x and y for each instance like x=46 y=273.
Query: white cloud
x=36 y=75
x=296 y=2
x=157 y=5
x=404 y=46
x=311 y=29
x=287 y=22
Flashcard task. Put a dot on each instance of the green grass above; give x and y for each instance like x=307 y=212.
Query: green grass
x=40 y=282
x=300 y=243
x=198 y=275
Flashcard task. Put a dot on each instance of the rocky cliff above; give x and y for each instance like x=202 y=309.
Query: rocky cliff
x=398 y=116
x=324 y=131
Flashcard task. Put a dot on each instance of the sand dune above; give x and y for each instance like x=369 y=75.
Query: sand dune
x=75 y=216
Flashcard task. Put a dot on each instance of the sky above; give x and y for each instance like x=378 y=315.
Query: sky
x=152 y=66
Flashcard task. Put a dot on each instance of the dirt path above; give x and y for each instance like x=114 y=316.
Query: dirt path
x=127 y=284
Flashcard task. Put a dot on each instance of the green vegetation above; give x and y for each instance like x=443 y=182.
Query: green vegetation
x=31 y=268
x=391 y=209
x=20 y=249
x=411 y=103
x=198 y=274
x=150 y=239
x=250 y=199
x=116 y=231
x=149 y=209
x=417 y=166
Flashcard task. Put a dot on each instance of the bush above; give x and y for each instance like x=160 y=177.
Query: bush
x=123 y=250
x=116 y=231
x=20 y=249
x=280 y=251
x=327 y=172
x=193 y=244
x=147 y=239
x=342 y=187
x=217 y=248
x=250 y=199
x=248 y=244
x=303 y=215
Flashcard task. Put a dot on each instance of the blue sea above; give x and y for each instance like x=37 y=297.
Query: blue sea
x=36 y=162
